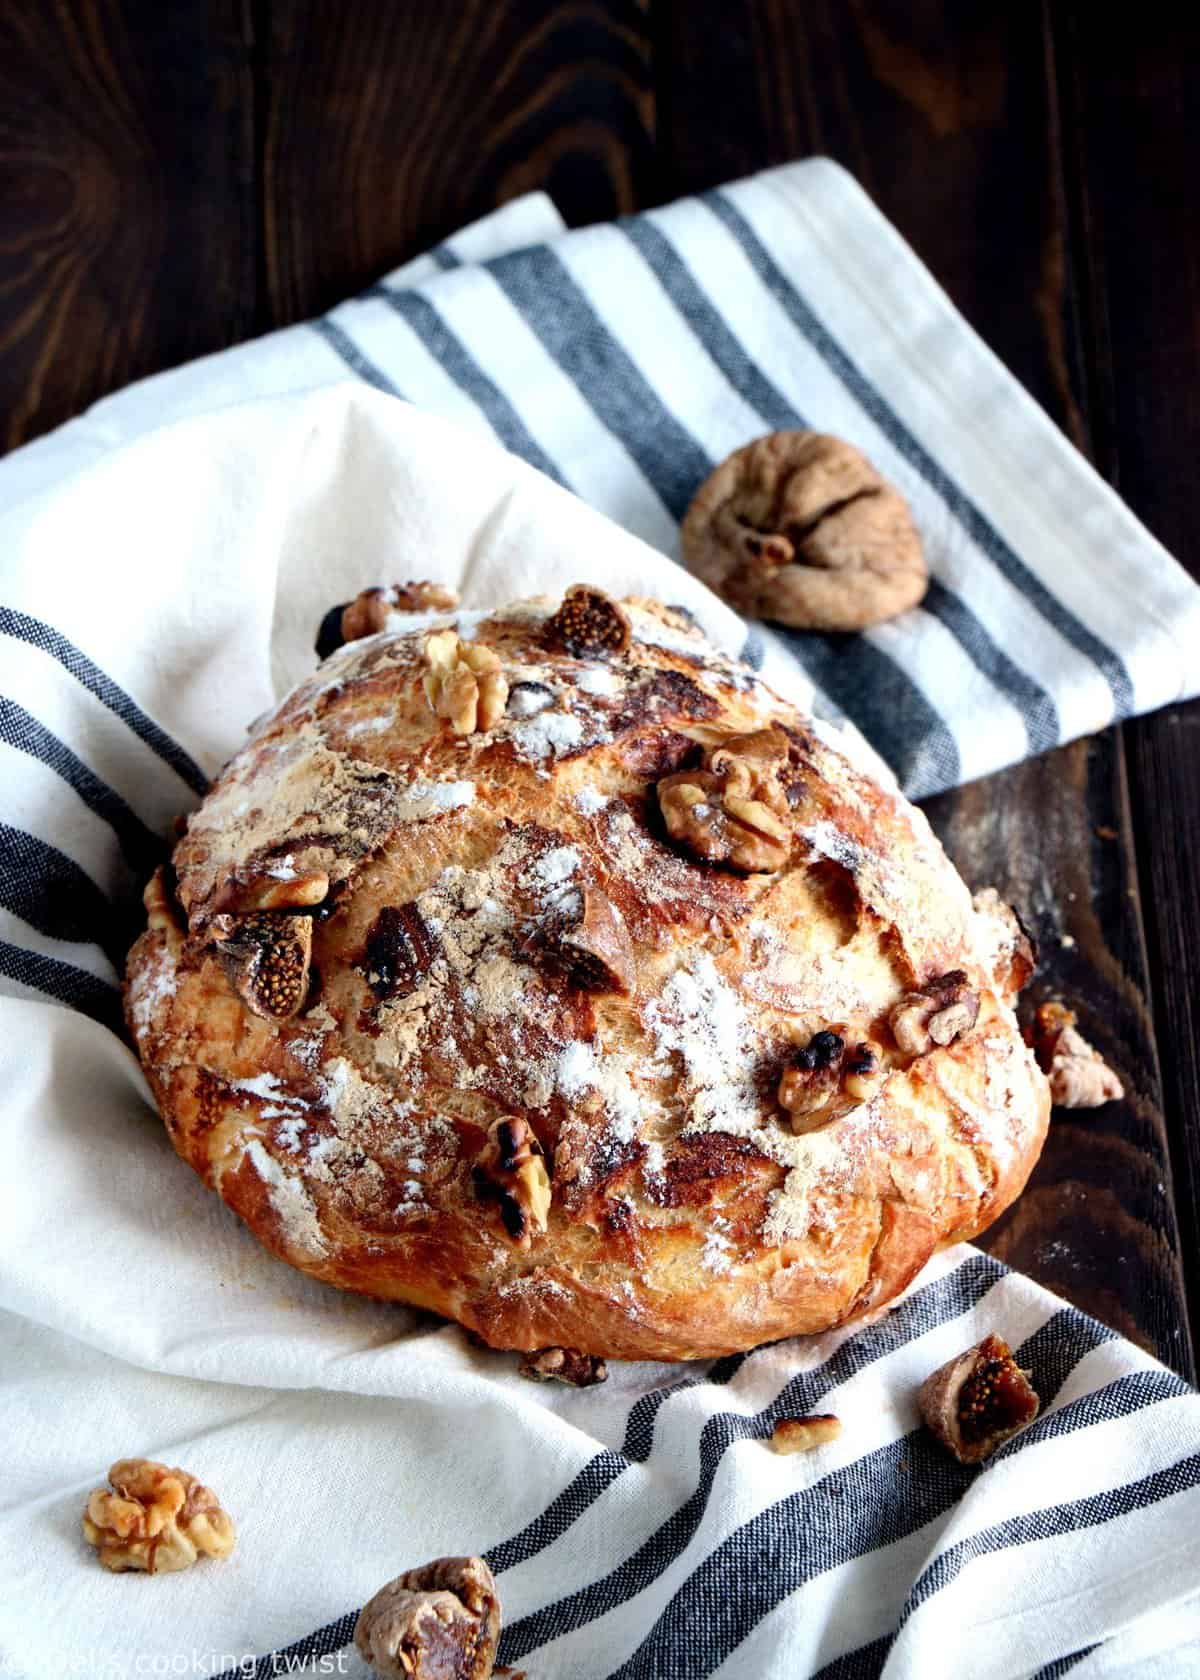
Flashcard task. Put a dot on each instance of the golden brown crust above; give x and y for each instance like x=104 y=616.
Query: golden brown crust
x=503 y=929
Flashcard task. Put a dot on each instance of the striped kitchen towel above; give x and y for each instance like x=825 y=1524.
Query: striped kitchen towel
x=163 y=563
x=624 y=361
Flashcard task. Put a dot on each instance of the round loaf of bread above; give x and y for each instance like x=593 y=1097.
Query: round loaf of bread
x=546 y=970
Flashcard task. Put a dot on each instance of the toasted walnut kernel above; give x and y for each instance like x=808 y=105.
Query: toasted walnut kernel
x=938 y=1014
x=815 y=1076
x=587 y=942
x=826 y=1069
x=155 y=1519
x=1078 y=1074
x=976 y=1400
x=564 y=1365
x=794 y=1435
x=733 y=810
x=266 y=958
x=464 y=683
x=439 y=1622
x=511 y=1171
x=589 y=623
x=268 y=892
x=799 y=527
x=862 y=1071
x=370 y=610
x=423 y=595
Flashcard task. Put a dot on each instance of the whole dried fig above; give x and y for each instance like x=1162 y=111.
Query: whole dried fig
x=439 y=1622
x=799 y=527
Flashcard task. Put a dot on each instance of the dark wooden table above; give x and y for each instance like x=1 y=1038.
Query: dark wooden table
x=176 y=177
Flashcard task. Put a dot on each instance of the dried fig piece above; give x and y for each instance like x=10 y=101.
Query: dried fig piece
x=438 y=1622
x=734 y=809
x=939 y=1013
x=799 y=527
x=266 y=957
x=977 y=1400
x=1078 y=1074
x=399 y=952
x=511 y=1171
x=589 y=623
x=564 y=1365
x=587 y=942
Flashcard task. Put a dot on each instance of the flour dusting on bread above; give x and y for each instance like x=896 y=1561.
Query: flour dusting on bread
x=530 y=1075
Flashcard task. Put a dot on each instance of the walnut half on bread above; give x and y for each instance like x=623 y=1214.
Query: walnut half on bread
x=625 y=1016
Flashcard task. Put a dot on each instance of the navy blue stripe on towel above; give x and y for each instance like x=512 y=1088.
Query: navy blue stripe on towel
x=458 y=363
x=958 y=504
x=23 y=628
x=539 y=286
x=63 y=982
x=143 y=849
x=47 y=889
x=878 y=1499
x=944 y=1299
x=340 y=342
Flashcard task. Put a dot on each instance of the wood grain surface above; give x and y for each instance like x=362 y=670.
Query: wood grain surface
x=173 y=179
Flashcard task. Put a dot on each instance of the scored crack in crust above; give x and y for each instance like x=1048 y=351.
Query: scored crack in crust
x=464 y=1020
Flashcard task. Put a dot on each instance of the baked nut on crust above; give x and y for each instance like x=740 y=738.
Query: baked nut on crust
x=536 y=1058
x=463 y=683
x=371 y=610
x=155 y=1519
x=733 y=810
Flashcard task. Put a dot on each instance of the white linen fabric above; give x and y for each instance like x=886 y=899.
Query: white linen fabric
x=165 y=561
x=625 y=360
